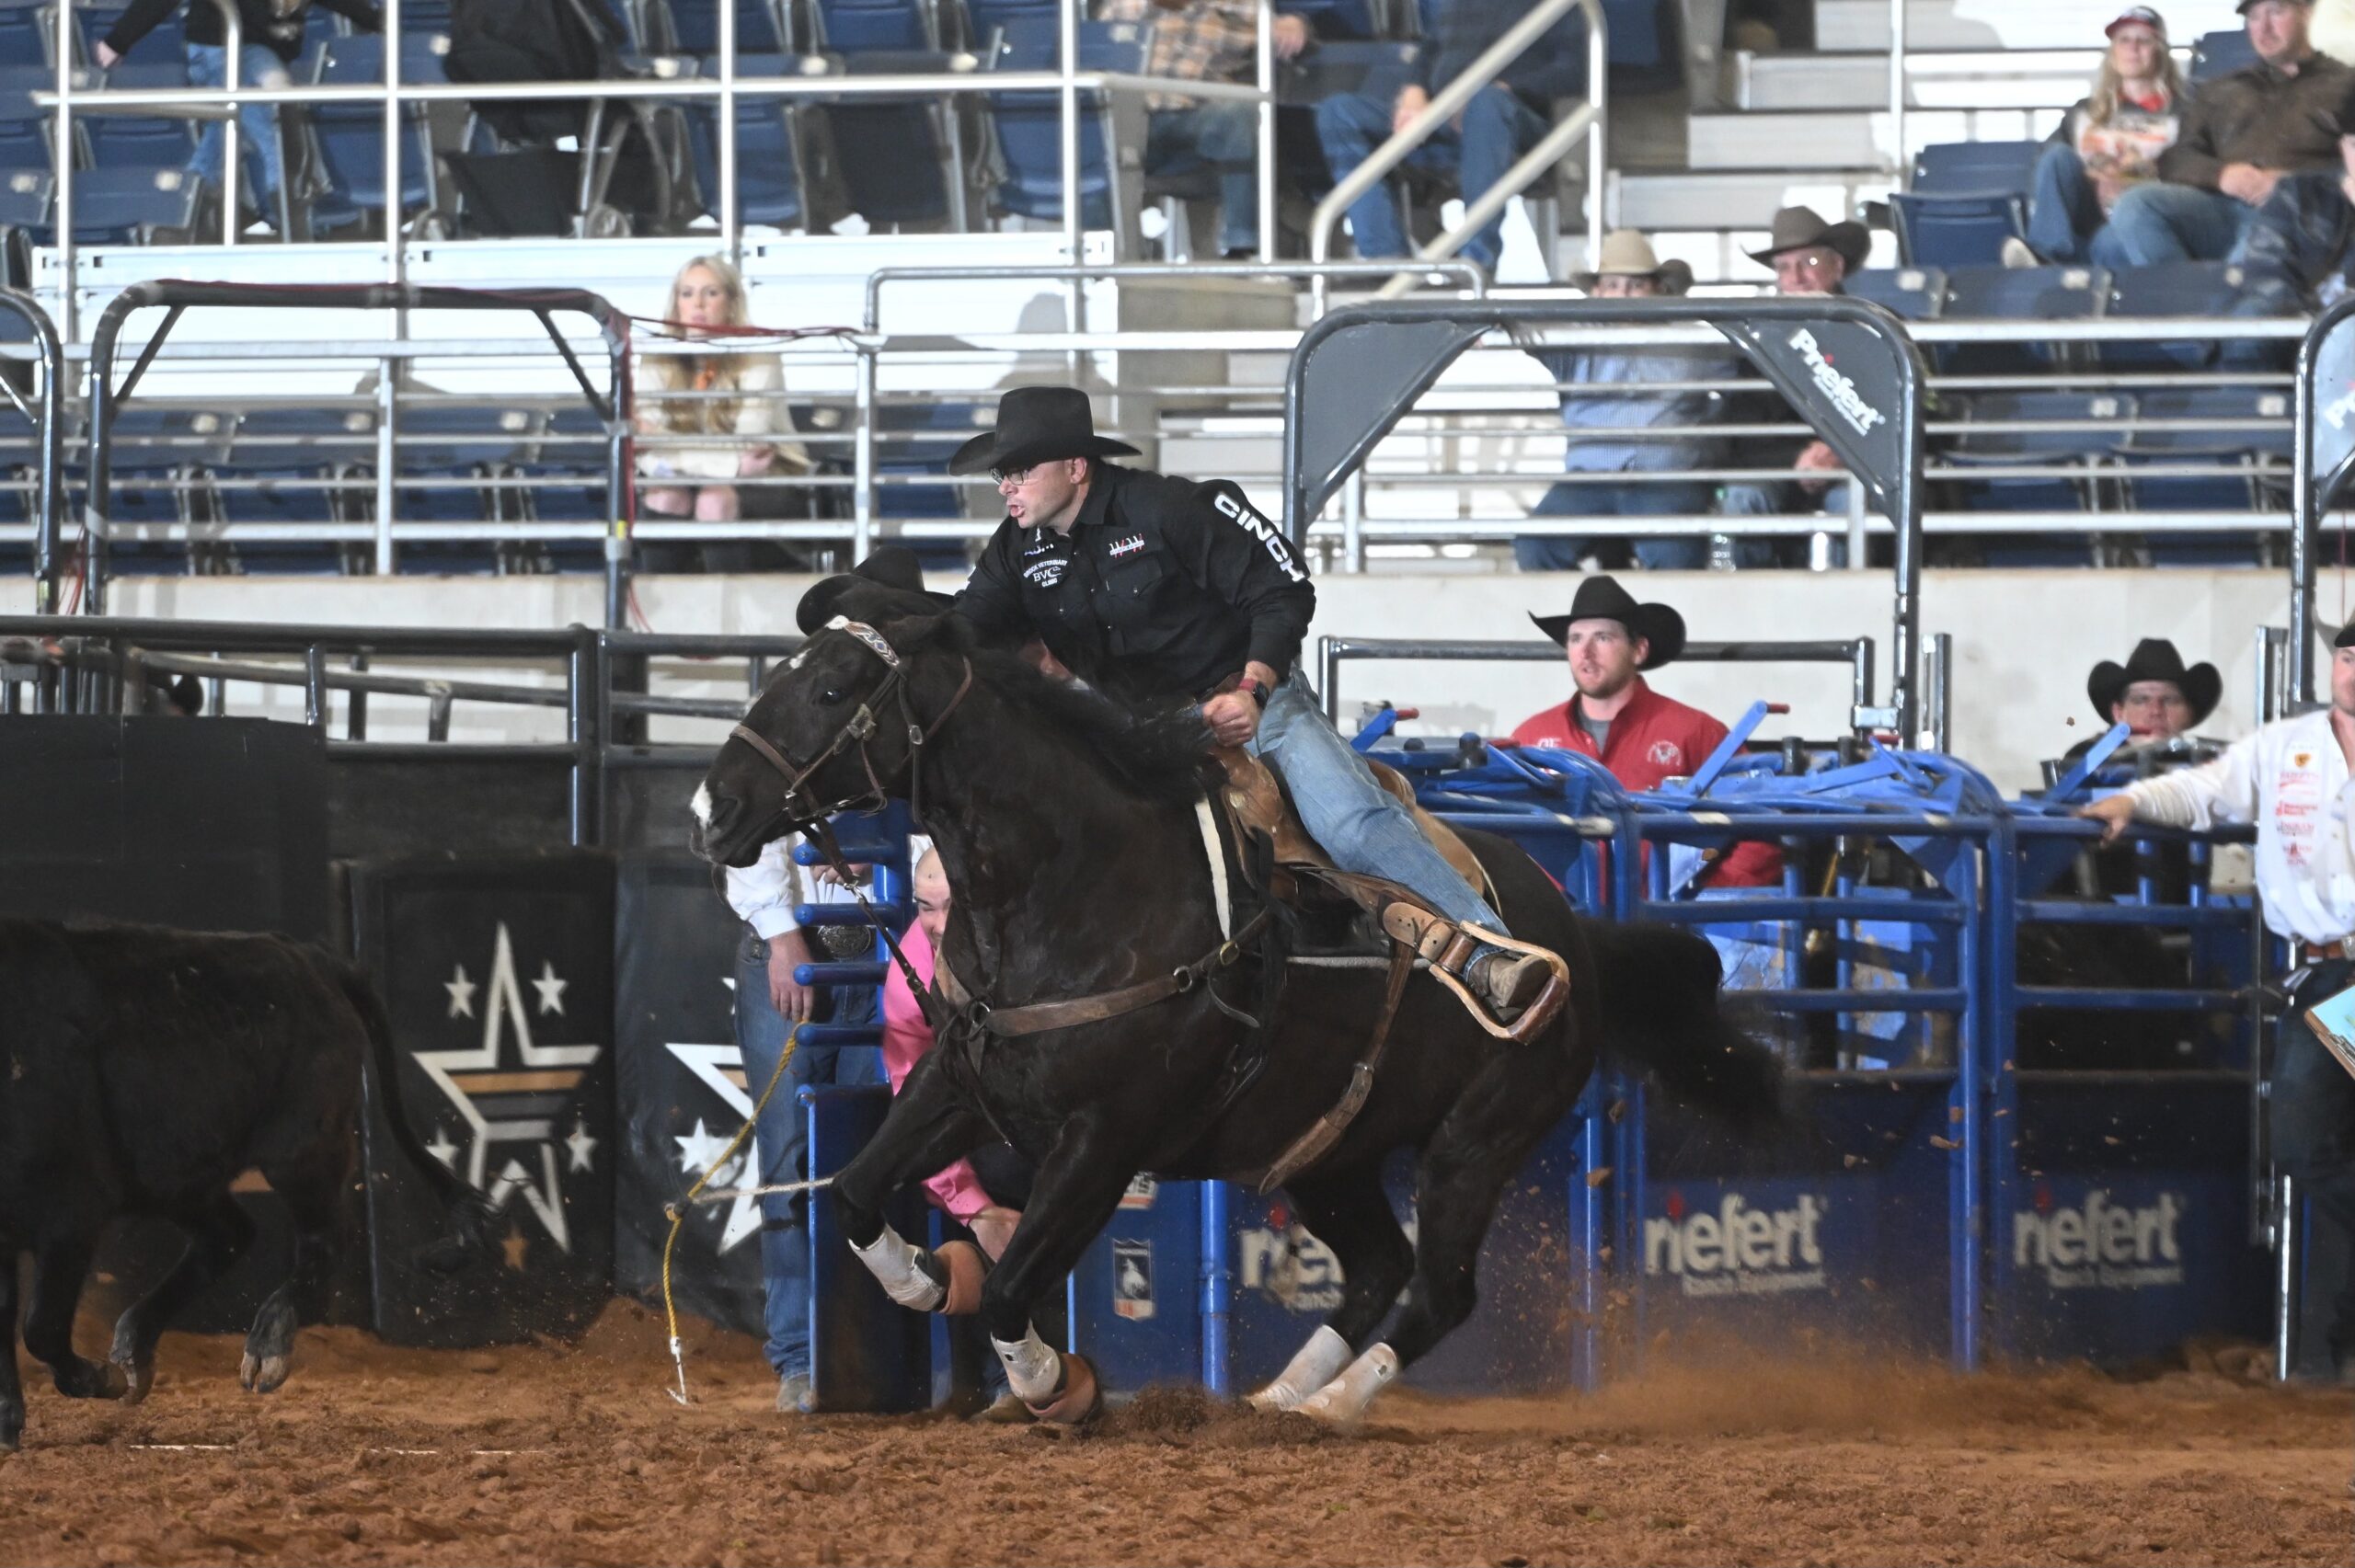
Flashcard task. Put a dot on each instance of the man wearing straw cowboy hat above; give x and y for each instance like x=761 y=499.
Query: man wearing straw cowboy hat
x=1626 y=268
x=1809 y=255
x=1159 y=590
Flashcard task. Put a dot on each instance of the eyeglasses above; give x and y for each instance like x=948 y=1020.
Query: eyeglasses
x=1011 y=475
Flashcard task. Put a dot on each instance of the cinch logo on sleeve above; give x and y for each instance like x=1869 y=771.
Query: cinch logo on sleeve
x=1737 y=1250
x=1259 y=528
x=2098 y=1244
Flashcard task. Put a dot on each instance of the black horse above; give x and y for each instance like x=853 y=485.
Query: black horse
x=1068 y=831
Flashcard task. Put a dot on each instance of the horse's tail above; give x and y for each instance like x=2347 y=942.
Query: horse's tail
x=467 y=1235
x=1661 y=1013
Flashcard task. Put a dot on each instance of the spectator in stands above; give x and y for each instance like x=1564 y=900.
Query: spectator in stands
x=1208 y=41
x=2153 y=694
x=2255 y=176
x=2292 y=780
x=271 y=37
x=2106 y=145
x=1809 y=257
x=1614 y=716
x=1499 y=124
x=733 y=396
x=1628 y=269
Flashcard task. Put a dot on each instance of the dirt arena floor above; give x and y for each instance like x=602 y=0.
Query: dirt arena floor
x=576 y=1455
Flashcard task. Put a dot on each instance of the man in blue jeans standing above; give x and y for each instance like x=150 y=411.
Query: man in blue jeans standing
x=1502 y=120
x=269 y=43
x=769 y=1003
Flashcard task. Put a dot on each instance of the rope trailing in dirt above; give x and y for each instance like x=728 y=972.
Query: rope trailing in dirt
x=678 y=1211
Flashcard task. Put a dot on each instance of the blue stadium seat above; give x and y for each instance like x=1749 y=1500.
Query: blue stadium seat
x=25 y=200
x=989 y=17
x=1956 y=230
x=25 y=126
x=129 y=206
x=28 y=33
x=2221 y=54
x=769 y=177
x=1030 y=125
x=156 y=464
x=2084 y=430
x=350 y=137
x=1911 y=293
x=1642 y=44
x=696 y=29
x=915 y=443
x=855 y=26
x=2242 y=433
x=2173 y=288
x=139 y=141
x=900 y=160
x=2023 y=294
x=283 y=467
x=1975 y=168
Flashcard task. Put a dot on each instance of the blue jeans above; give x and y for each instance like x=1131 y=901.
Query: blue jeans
x=2063 y=214
x=1497 y=128
x=1353 y=818
x=1558 y=552
x=781 y=1134
x=257 y=122
x=1221 y=136
x=2157 y=222
x=1751 y=498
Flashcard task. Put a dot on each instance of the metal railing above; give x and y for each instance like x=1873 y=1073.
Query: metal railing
x=1587 y=119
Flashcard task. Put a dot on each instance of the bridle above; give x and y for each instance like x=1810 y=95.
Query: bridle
x=810 y=819
x=858 y=730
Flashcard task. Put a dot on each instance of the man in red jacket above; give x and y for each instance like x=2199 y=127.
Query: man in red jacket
x=1642 y=736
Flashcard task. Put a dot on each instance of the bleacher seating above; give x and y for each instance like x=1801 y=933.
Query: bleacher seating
x=770 y=176
x=2220 y=54
x=2023 y=294
x=1911 y=293
x=350 y=137
x=2176 y=288
x=1030 y=125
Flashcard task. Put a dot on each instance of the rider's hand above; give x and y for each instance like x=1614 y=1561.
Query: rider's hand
x=1233 y=718
x=788 y=951
x=2113 y=812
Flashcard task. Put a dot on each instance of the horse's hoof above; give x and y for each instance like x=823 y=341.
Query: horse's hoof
x=967 y=1269
x=1082 y=1399
x=262 y=1375
x=1341 y=1403
x=138 y=1378
x=112 y=1384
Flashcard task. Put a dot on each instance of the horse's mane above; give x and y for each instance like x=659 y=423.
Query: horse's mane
x=1162 y=757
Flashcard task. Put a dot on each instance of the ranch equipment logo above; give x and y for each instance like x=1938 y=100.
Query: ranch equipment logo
x=1132 y=1281
x=1736 y=1249
x=1836 y=388
x=522 y=1102
x=1141 y=1193
x=1291 y=1267
x=2100 y=1245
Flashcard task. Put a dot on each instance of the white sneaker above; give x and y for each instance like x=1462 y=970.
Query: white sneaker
x=2017 y=254
x=794 y=1396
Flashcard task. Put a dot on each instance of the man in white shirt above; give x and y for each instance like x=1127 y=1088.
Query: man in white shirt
x=768 y=1003
x=2291 y=778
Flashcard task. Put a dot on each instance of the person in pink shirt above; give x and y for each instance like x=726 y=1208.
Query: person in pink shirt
x=954 y=1190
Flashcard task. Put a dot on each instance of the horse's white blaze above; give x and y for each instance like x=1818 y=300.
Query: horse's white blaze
x=1341 y=1401
x=894 y=1264
x=1032 y=1367
x=1317 y=1363
x=701 y=804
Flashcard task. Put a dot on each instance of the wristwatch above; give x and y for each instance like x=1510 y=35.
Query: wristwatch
x=1251 y=683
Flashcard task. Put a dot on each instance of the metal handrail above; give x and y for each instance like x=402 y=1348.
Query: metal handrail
x=1589 y=119
x=1475 y=78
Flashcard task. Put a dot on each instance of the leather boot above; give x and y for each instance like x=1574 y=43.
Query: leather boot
x=1507 y=982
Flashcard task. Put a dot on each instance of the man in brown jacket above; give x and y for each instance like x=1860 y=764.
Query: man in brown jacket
x=2255 y=177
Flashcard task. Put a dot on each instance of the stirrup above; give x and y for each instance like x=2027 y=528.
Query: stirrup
x=1448 y=948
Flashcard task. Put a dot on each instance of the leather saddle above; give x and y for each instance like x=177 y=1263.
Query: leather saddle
x=1255 y=802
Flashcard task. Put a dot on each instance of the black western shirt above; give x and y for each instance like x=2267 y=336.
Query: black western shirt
x=1161 y=588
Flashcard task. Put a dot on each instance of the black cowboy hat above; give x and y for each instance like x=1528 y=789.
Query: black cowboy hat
x=2154 y=658
x=894 y=567
x=1602 y=598
x=1038 y=424
x=1796 y=228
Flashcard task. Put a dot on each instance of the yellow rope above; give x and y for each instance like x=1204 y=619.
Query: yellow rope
x=678 y=1211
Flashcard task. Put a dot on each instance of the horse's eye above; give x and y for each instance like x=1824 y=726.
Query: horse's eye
x=829 y=697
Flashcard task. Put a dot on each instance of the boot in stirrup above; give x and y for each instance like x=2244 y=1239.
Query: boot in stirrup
x=1507 y=982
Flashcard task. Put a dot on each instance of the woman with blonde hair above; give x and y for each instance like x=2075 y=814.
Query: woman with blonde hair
x=2108 y=144
x=735 y=398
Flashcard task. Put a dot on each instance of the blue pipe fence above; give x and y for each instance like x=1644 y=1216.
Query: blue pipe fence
x=1930 y=1197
